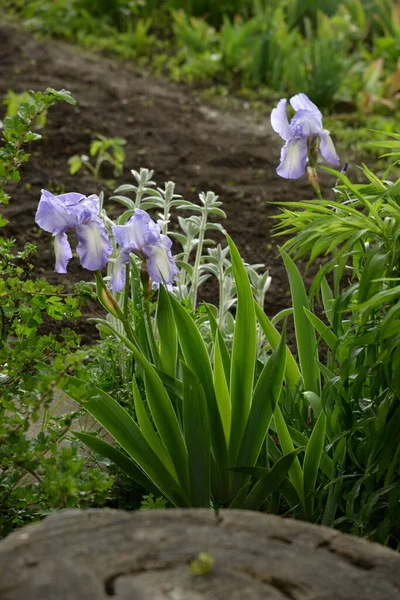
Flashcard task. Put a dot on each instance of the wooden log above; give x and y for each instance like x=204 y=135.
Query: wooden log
x=146 y=555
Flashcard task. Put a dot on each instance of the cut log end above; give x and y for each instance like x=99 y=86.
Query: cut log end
x=191 y=555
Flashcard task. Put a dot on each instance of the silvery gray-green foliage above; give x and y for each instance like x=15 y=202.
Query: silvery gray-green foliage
x=195 y=265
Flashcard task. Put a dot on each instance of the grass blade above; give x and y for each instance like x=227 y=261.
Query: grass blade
x=270 y=481
x=312 y=460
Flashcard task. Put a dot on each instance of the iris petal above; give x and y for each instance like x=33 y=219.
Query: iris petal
x=94 y=247
x=52 y=215
x=88 y=208
x=118 y=277
x=279 y=120
x=138 y=231
x=160 y=263
x=305 y=124
x=302 y=102
x=327 y=148
x=293 y=159
x=63 y=252
x=69 y=199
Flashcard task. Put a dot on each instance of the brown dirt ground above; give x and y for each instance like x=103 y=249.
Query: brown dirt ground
x=168 y=128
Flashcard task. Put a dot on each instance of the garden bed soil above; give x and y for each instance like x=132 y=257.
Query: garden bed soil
x=168 y=128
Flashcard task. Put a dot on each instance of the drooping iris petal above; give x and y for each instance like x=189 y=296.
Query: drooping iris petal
x=63 y=252
x=302 y=102
x=305 y=124
x=293 y=158
x=52 y=214
x=327 y=148
x=118 y=277
x=65 y=212
x=279 y=120
x=94 y=247
x=160 y=264
x=138 y=231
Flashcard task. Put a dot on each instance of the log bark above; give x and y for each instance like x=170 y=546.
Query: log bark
x=98 y=554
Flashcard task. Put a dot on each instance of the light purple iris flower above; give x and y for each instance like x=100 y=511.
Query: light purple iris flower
x=72 y=211
x=143 y=237
x=304 y=128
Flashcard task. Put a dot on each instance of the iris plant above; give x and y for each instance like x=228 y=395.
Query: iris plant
x=304 y=136
x=142 y=236
x=73 y=211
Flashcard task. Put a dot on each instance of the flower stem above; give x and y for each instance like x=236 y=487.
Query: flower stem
x=199 y=251
x=313 y=179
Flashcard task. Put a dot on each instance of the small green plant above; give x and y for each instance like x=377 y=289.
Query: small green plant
x=102 y=150
x=13 y=102
x=149 y=502
x=38 y=471
x=18 y=131
x=41 y=469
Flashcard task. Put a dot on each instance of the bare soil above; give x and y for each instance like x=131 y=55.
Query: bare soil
x=168 y=128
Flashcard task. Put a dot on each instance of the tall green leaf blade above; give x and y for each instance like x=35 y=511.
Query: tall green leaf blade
x=123 y=462
x=312 y=460
x=324 y=330
x=243 y=353
x=288 y=491
x=196 y=357
x=226 y=359
x=295 y=472
x=305 y=336
x=265 y=398
x=167 y=333
x=118 y=422
x=314 y=401
x=197 y=438
x=327 y=298
x=165 y=418
x=273 y=336
x=148 y=431
x=221 y=389
x=240 y=498
x=270 y=481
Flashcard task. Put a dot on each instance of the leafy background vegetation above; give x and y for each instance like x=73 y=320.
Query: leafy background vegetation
x=343 y=55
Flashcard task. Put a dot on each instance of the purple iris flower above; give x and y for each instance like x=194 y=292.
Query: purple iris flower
x=143 y=237
x=300 y=135
x=59 y=214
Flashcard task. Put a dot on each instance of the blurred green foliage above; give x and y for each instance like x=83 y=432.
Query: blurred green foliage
x=335 y=52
